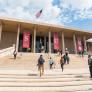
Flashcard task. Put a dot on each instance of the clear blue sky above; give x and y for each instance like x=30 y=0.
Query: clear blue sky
x=72 y=13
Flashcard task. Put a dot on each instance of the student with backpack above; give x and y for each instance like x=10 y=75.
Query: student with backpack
x=41 y=65
x=90 y=65
x=66 y=58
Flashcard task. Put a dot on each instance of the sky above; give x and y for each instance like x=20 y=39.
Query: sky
x=69 y=13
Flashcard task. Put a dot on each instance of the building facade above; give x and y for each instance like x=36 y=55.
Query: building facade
x=40 y=35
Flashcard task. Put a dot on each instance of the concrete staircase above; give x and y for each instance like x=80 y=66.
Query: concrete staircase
x=53 y=81
x=21 y=75
x=29 y=61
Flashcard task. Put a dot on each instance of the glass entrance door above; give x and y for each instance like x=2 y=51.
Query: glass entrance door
x=39 y=44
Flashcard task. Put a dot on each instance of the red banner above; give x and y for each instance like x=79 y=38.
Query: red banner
x=26 y=40
x=56 y=41
x=79 y=44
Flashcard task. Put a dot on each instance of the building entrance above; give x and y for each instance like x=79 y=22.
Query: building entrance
x=42 y=44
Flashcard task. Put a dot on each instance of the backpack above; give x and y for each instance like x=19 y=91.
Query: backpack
x=41 y=61
x=90 y=61
x=65 y=57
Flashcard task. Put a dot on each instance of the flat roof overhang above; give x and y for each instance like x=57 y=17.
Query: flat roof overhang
x=41 y=26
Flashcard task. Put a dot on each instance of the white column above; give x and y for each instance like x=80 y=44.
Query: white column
x=17 y=42
x=63 y=43
x=34 y=40
x=75 y=46
x=49 y=41
x=85 y=45
x=0 y=31
x=32 y=43
x=45 y=43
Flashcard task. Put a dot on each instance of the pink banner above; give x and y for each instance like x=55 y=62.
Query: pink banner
x=26 y=40
x=79 y=44
x=56 y=41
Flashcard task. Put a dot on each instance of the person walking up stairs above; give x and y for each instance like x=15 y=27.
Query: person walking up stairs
x=41 y=65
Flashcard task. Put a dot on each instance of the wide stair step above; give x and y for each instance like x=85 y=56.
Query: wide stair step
x=52 y=81
x=29 y=61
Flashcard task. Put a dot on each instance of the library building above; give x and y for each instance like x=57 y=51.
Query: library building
x=36 y=37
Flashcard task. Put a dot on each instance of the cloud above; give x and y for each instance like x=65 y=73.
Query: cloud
x=27 y=9
x=77 y=4
x=63 y=11
x=78 y=9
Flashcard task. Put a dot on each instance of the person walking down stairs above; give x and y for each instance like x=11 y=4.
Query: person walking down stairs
x=51 y=63
x=90 y=65
x=62 y=63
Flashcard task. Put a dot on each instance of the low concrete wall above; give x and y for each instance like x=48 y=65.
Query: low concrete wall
x=8 y=39
x=7 y=51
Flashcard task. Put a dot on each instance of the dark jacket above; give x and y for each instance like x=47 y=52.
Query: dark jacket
x=90 y=61
x=41 y=61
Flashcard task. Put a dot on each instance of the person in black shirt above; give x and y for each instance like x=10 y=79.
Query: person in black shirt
x=15 y=54
x=90 y=65
x=41 y=65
